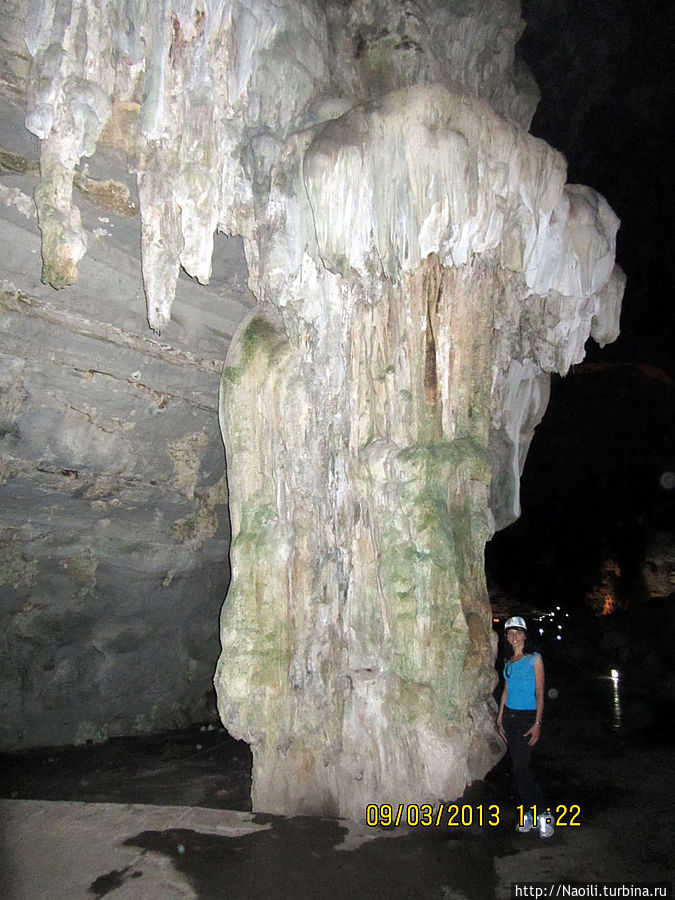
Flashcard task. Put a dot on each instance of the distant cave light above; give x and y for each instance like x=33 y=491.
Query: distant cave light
x=604 y=597
x=667 y=480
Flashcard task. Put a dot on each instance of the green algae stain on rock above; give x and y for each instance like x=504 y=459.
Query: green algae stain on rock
x=231 y=376
x=261 y=336
x=255 y=349
x=16 y=569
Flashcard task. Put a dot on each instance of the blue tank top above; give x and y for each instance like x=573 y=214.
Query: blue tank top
x=519 y=677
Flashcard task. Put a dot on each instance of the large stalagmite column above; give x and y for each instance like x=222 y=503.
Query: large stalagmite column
x=420 y=268
x=392 y=376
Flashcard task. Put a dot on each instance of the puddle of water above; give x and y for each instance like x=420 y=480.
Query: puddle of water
x=612 y=697
x=297 y=858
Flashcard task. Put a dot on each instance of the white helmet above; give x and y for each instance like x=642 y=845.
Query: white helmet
x=515 y=622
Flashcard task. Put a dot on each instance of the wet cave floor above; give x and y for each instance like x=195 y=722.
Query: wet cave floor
x=603 y=751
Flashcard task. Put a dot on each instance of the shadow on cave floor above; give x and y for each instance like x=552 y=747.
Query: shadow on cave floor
x=619 y=772
x=188 y=767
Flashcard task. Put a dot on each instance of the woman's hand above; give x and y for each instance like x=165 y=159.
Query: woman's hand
x=500 y=729
x=533 y=734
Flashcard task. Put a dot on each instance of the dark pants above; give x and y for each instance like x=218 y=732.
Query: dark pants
x=516 y=722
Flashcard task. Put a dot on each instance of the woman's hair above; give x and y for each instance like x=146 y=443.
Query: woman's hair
x=527 y=648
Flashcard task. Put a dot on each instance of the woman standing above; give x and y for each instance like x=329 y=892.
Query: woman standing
x=519 y=720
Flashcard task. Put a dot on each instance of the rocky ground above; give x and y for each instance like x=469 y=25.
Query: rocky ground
x=194 y=835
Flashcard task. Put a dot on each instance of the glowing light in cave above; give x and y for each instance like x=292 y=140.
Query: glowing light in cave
x=603 y=598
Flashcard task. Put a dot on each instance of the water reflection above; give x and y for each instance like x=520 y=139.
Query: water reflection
x=616 y=700
x=614 y=678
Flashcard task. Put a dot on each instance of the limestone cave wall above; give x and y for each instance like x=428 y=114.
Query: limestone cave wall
x=114 y=527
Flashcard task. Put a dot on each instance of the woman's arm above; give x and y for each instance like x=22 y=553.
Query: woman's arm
x=534 y=733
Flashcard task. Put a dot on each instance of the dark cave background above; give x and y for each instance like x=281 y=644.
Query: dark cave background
x=596 y=489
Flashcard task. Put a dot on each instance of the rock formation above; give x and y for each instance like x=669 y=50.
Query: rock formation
x=658 y=567
x=420 y=267
x=376 y=415
x=114 y=529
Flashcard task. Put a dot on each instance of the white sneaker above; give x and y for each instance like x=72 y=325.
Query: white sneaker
x=528 y=824
x=545 y=822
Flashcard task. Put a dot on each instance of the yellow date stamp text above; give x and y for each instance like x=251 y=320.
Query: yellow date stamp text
x=426 y=815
